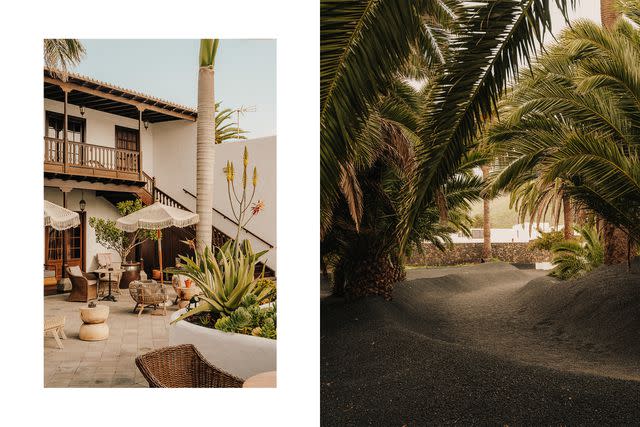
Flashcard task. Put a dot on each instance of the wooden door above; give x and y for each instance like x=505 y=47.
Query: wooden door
x=75 y=247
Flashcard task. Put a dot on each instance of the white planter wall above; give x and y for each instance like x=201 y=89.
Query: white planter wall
x=238 y=354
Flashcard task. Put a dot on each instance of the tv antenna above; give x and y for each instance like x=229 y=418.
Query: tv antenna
x=242 y=110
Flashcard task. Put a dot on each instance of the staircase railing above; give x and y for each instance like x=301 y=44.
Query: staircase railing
x=149 y=183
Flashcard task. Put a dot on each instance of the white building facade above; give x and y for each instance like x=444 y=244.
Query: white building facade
x=120 y=144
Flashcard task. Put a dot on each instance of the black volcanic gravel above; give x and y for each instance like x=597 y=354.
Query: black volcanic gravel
x=427 y=358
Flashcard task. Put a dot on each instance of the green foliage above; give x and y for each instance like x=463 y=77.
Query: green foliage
x=250 y=319
x=493 y=39
x=546 y=240
x=111 y=237
x=208 y=50
x=573 y=258
x=365 y=218
x=62 y=54
x=226 y=127
x=267 y=287
x=571 y=124
x=225 y=277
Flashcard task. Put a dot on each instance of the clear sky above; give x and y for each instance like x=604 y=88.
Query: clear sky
x=168 y=69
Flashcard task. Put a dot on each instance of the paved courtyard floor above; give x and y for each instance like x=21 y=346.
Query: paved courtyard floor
x=108 y=363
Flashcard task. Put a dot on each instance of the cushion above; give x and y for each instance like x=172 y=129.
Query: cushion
x=91 y=282
x=104 y=259
x=75 y=271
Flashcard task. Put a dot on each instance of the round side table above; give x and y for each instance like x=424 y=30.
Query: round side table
x=263 y=380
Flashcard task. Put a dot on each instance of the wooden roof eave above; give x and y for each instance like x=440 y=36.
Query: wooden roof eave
x=140 y=105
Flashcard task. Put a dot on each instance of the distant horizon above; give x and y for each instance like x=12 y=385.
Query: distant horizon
x=168 y=69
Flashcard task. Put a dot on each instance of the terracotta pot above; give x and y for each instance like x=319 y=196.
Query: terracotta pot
x=187 y=283
x=131 y=272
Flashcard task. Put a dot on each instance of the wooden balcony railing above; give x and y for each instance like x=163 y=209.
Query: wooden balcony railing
x=91 y=160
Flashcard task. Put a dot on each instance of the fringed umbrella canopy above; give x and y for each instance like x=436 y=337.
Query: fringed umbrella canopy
x=156 y=217
x=58 y=217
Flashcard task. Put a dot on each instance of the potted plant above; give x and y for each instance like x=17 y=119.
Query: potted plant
x=109 y=236
x=227 y=322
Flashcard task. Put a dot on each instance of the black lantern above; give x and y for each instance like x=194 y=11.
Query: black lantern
x=146 y=124
x=82 y=110
x=83 y=204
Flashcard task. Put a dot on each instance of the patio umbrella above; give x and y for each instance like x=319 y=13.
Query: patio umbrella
x=59 y=218
x=156 y=217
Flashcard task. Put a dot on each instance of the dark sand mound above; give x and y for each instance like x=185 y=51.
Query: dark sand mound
x=449 y=350
x=601 y=309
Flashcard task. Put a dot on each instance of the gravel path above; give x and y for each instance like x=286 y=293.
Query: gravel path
x=454 y=348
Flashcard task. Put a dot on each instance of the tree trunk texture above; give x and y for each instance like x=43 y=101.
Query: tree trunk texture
x=608 y=14
x=615 y=245
x=373 y=276
x=205 y=157
x=567 y=211
x=486 y=218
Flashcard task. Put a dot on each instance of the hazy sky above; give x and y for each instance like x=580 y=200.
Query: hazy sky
x=168 y=69
x=585 y=9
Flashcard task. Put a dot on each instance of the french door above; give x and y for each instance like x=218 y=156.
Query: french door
x=75 y=247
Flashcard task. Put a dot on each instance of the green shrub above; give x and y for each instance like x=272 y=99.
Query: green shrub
x=573 y=258
x=546 y=240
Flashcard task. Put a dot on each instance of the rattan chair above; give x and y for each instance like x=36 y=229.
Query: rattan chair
x=147 y=293
x=84 y=286
x=182 y=366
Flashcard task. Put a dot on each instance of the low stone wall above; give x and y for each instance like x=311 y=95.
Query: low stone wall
x=464 y=253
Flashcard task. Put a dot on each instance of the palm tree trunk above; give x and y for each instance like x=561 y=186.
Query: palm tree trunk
x=486 y=218
x=616 y=245
x=205 y=157
x=373 y=275
x=567 y=211
x=616 y=250
x=608 y=14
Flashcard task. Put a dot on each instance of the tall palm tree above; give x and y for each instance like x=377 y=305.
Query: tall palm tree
x=472 y=50
x=360 y=244
x=205 y=148
x=484 y=55
x=575 y=119
x=61 y=54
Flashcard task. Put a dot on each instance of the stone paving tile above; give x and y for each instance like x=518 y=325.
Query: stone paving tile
x=108 y=363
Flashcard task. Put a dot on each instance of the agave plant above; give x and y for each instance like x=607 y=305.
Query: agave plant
x=225 y=278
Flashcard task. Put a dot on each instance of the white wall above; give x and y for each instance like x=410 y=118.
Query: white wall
x=100 y=129
x=96 y=206
x=175 y=167
x=518 y=233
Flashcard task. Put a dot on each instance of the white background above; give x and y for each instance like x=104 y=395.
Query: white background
x=295 y=25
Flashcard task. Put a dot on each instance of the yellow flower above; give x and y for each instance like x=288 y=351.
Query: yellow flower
x=245 y=157
x=255 y=176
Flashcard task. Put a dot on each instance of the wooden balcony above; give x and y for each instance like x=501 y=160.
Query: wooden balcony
x=91 y=162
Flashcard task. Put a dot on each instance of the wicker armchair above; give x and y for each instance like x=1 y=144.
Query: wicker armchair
x=84 y=286
x=147 y=293
x=183 y=366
